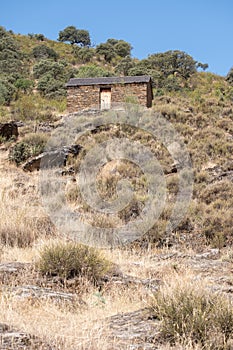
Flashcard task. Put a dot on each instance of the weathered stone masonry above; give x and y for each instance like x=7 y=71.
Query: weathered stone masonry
x=87 y=93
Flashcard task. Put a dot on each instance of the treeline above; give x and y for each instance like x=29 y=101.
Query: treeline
x=46 y=66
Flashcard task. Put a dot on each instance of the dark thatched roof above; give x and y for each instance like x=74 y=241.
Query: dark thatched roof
x=108 y=80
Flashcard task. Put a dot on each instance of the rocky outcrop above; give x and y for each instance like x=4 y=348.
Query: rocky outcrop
x=136 y=328
x=22 y=282
x=51 y=159
x=9 y=130
x=218 y=173
x=12 y=339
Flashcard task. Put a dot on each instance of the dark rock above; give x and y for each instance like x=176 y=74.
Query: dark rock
x=9 y=130
x=51 y=159
x=222 y=175
x=33 y=164
x=171 y=170
x=69 y=171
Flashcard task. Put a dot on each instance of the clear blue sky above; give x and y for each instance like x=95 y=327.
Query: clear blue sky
x=202 y=28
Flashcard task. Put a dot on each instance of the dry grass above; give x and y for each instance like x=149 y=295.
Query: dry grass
x=63 y=329
x=191 y=314
x=80 y=328
x=75 y=327
x=22 y=222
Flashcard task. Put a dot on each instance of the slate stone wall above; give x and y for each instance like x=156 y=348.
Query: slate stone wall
x=85 y=97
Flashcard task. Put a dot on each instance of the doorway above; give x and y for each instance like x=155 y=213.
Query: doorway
x=105 y=98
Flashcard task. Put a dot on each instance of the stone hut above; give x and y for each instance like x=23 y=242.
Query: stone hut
x=84 y=93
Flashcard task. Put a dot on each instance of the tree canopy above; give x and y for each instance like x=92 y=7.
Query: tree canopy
x=125 y=65
x=52 y=77
x=113 y=48
x=106 y=50
x=10 y=55
x=173 y=63
x=83 y=54
x=12 y=66
x=75 y=36
x=170 y=70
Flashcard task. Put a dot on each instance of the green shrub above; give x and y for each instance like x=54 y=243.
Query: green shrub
x=50 y=87
x=190 y=313
x=25 y=85
x=37 y=142
x=2 y=139
x=69 y=260
x=57 y=70
x=7 y=91
x=84 y=54
x=31 y=145
x=229 y=77
x=19 y=153
x=43 y=52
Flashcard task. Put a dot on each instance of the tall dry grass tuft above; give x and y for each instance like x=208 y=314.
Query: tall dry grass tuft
x=22 y=221
x=192 y=314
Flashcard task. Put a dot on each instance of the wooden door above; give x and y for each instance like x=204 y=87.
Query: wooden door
x=105 y=98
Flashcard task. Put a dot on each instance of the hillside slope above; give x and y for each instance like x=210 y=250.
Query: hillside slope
x=156 y=289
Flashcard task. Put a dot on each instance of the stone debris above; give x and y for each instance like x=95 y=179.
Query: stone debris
x=30 y=291
x=12 y=339
x=136 y=328
x=12 y=267
x=218 y=173
x=151 y=284
x=12 y=275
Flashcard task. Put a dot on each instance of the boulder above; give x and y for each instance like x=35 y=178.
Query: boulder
x=51 y=159
x=9 y=130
